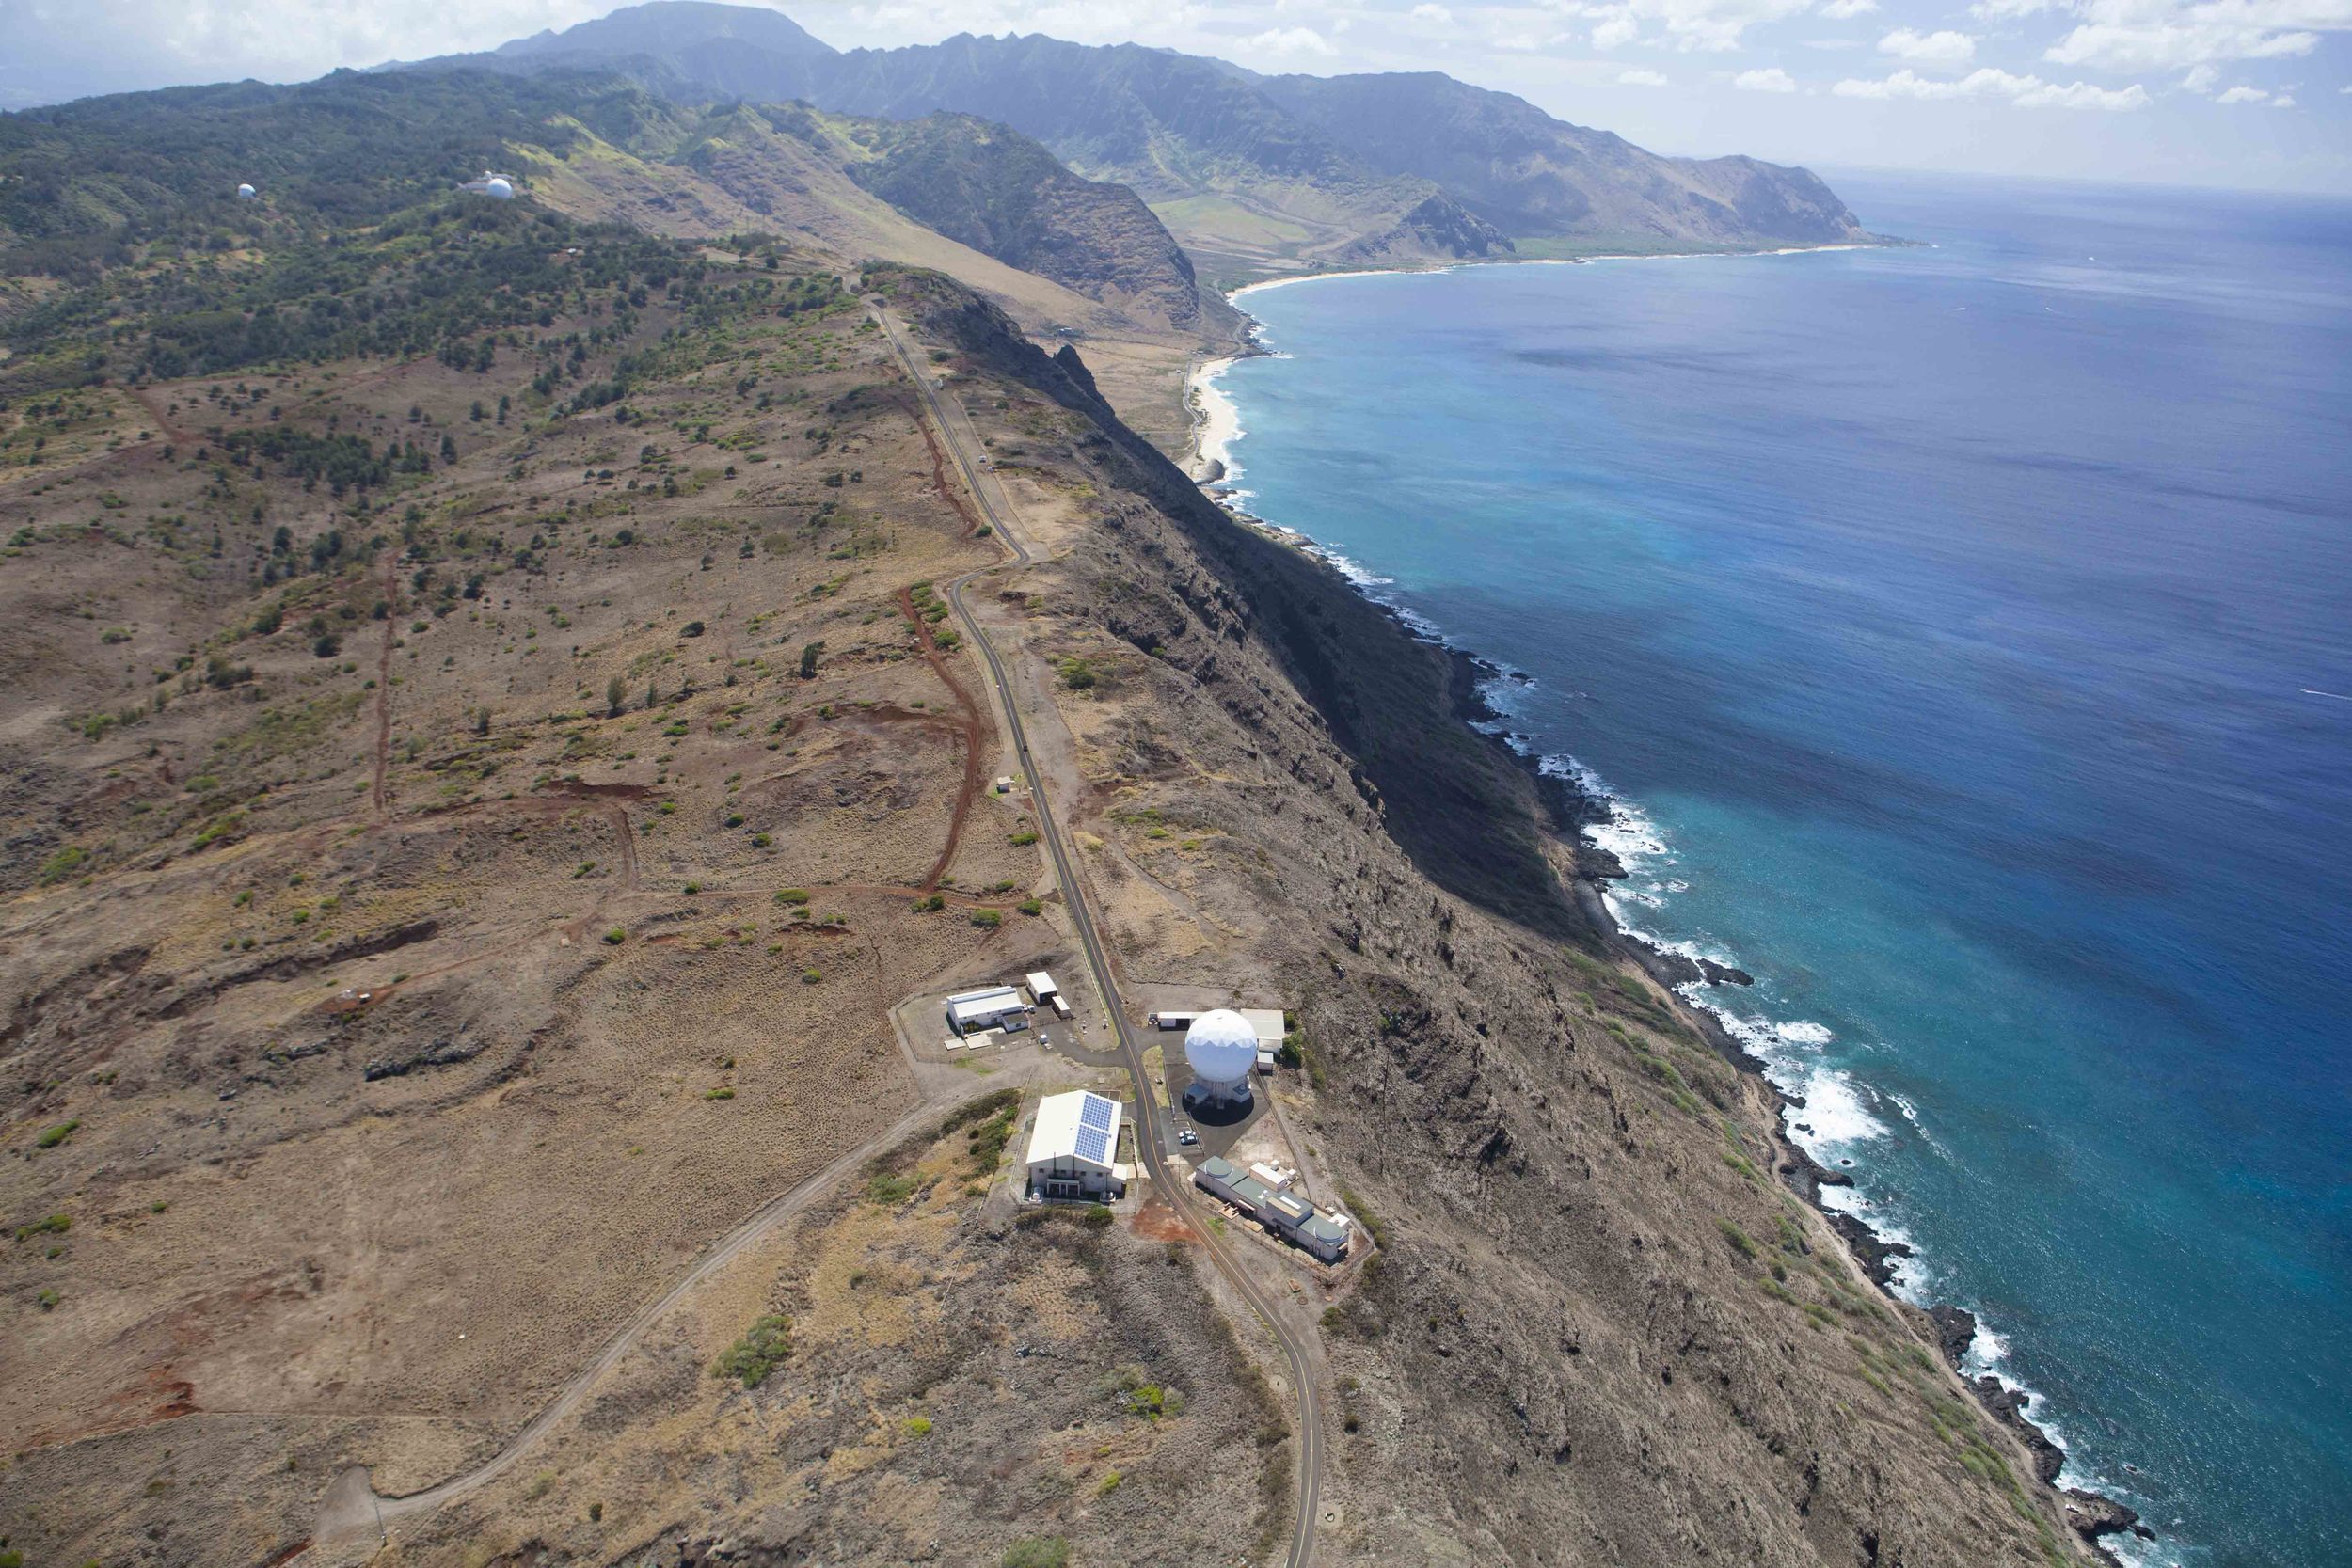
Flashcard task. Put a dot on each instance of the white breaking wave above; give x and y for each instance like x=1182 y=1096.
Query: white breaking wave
x=1837 y=1118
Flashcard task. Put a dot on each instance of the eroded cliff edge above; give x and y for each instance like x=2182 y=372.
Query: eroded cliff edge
x=1603 y=1327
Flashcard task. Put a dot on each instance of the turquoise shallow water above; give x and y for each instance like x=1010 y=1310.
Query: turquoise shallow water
x=1967 y=631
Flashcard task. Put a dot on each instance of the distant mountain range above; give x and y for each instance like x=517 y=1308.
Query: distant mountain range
x=1248 y=171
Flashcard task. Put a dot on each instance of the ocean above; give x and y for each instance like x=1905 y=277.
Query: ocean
x=1964 y=631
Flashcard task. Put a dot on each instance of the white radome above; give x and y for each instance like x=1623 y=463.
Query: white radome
x=1222 y=1050
x=247 y=193
x=499 y=189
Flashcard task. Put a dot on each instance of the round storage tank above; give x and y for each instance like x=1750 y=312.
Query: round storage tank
x=1222 y=1050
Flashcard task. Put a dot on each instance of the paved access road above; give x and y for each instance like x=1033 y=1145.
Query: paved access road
x=964 y=445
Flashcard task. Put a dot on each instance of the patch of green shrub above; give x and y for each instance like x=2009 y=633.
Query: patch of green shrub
x=762 y=1349
x=64 y=863
x=1037 y=1551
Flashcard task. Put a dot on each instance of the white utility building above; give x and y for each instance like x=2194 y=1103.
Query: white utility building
x=1073 y=1149
x=1222 y=1051
x=996 y=1007
x=1047 y=994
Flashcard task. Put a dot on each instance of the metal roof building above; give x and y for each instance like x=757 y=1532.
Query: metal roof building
x=1074 y=1147
x=984 y=1010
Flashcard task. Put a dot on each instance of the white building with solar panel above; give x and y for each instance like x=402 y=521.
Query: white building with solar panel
x=1073 y=1149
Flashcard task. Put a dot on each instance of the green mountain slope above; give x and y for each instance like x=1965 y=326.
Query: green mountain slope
x=147 y=181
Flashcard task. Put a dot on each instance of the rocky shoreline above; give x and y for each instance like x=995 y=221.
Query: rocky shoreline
x=1573 y=812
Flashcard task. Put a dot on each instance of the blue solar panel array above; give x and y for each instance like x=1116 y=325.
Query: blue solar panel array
x=1095 y=1112
x=1095 y=1144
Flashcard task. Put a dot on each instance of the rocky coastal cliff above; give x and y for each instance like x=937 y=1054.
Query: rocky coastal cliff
x=1599 y=1299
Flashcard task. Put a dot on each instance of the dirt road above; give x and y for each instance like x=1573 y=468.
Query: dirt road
x=963 y=443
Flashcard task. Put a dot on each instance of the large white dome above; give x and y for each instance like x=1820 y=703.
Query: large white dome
x=498 y=190
x=244 y=192
x=1223 y=1050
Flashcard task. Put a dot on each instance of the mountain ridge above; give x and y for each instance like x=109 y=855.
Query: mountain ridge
x=1260 y=173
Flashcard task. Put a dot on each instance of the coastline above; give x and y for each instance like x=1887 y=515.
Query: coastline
x=1578 y=805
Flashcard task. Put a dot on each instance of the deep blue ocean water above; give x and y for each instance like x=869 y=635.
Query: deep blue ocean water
x=1948 y=620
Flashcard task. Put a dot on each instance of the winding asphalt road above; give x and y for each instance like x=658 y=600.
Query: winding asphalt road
x=962 y=442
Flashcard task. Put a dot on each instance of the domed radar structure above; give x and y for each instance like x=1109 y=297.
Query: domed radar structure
x=498 y=187
x=247 y=193
x=1222 y=1050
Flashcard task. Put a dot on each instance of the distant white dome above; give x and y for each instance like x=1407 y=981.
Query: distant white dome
x=246 y=193
x=499 y=189
x=1222 y=1050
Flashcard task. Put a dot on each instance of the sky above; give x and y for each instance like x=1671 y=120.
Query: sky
x=2248 y=93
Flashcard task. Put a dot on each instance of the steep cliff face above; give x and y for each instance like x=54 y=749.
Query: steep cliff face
x=1005 y=196
x=1599 y=1329
x=1527 y=173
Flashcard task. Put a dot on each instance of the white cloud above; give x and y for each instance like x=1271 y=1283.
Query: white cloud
x=2167 y=35
x=2284 y=101
x=2009 y=11
x=1286 y=40
x=2200 y=78
x=2244 y=95
x=1640 y=78
x=1432 y=13
x=1709 y=25
x=1770 y=79
x=2027 y=92
x=1945 y=48
x=1615 y=30
x=1846 y=10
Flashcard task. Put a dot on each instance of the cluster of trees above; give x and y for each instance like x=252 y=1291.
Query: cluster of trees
x=446 y=280
x=95 y=182
x=346 y=462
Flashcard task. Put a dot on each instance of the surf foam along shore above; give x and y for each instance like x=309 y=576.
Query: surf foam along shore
x=1825 y=1113
x=1215 y=422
